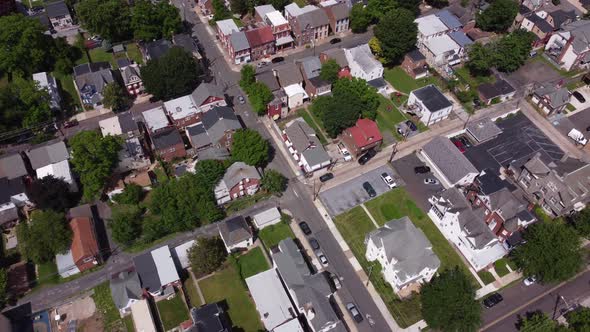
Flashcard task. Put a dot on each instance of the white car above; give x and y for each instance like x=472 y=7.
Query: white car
x=336 y=281
x=529 y=281
x=430 y=181
x=344 y=151
x=388 y=180
x=322 y=258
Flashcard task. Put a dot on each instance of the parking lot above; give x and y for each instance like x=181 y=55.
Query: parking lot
x=415 y=182
x=351 y=193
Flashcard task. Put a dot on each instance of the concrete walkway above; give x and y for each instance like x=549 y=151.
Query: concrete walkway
x=370 y=215
x=196 y=282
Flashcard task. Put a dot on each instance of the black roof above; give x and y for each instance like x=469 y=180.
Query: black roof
x=10 y=188
x=377 y=83
x=217 y=113
x=185 y=41
x=56 y=9
x=123 y=62
x=524 y=10
x=515 y=239
x=166 y=139
x=157 y=49
x=127 y=122
x=210 y=318
x=560 y=17
x=147 y=271
x=496 y=89
x=432 y=98
x=86 y=68
x=416 y=55
x=540 y=23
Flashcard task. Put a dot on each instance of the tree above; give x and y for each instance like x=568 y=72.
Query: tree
x=536 y=322
x=209 y=172
x=35 y=101
x=248 y=146
x=94 y=159
x=513 y=50
x=360 y=19
x=279 y=4
x=46 y=235
x=220 y=12
x=579 y=319
x=239 y=7
x=375 y=46
x=126 y=224
x=247 y=77
x=260 y=95
x=438 y=3
x=66 y=56
x=551 y=252
x=581 y=222
x=274 y=182
x=330 y=70
x=111 y=19
x=116 y=98
x=480 y=59
x=412 y=6
x=131 y=195
x=173 y=75
x=50 y=193
x=151 y=21
x=448 y=302
x=498 y=17
x=377 y=9
x=207 y=255
x=397 y=33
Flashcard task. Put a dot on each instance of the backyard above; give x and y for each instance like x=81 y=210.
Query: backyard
x=404 y=83
x=47 y=274
x=104 y=303
x=388 y=116
x=246 y=202
x=191 y=291
x=273 y=234
x=252 y=262
x=172 y=312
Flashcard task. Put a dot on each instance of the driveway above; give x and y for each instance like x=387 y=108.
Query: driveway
x=585 y=92
x=415 y=185
x=350 y=194
x=534 y=71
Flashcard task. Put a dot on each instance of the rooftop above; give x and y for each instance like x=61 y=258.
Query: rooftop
x=365 y=132
x=155 y=119
x=84 y=242
x=451 y=162
x=12 y=166
x=56 y=9
x=181 y=107
x=166 y=139
x=227 y=27
x=483 y=129
x=237 y=172
x=497 y=89
x=239 y=41
x=234 y=230
x=276 y=18
x=441 y=44
x=430 y=25
x=432 y=98
x=260 y=36
x=270 y=297
x=48 y=153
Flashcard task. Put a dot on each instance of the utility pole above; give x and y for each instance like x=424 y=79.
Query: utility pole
x=393 y=151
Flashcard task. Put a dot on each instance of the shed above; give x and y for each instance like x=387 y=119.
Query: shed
x=266 y=218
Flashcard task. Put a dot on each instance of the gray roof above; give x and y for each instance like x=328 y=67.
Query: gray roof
x=263 y=10
x=311 y=66
x=448 y=159
x=128 y=72
x=338 y=55
x=185 y=41
x=56 y=9
x=363 y=56
x=234 y=230
x=312 y=19
x=125 y=286
x=198 y=136
x=497 y=89
x=209 y=318
x=237 y=172
x=166 y=139
x=416 y=55
x=561 y=17
x=448 y=19
x=147 y=271
x=86 y=68
x=306 y=142
x=12 y=166
x=557 y=96
x=288 y=74
x=94 y=78
x=540 y=23
x=340 y=11
x=9 y=188
x=432 y=98
x=8 y=214
x=204 y=91
x=218 y=121
x=123 y=62
x=269 y=79
x=156 y=49
x=239 y=41
x=214 y=153
x=127 y=122
x=47 y=154
x=483 y=129
x=407 y=246
x=580 y=30
x=460 y=38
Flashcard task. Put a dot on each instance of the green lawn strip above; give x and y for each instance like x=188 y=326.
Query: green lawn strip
x=500 y=267
x=191 y=291
x=273 y=234
x=160 y=174
x=486 y=277
x=172 y=312
x=308 y=118
x=47 y=274
x=227 y=285
x=99 y=55
x=68 y=91
x=353 y=226
x=134 y=53
x=252 y=263
x=512 y=264
x=402 y=82
x=474 y=81
x=388 y=116
x=128 y=321
x=104 y=303
x=141 y=245
x=396 y=204
x=570 y=107
x=246 y=202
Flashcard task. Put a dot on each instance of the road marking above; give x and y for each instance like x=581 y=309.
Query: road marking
x=295 y=192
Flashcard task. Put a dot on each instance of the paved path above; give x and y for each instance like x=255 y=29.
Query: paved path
x=196 y=282
x=370 y=215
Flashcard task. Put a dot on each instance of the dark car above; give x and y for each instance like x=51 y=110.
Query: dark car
x=277 y=59
x=326 y=177
x=305 y=228
x=579 y=97
x=411 y=125
x=421 y=169
x=354 y=312
x=465 y=141
x=367 y=156
x=315 y=245
x=492 y=300
x=335 y=41
x=69 y=124
x=369 y=189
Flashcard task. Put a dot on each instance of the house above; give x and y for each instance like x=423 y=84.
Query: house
x=216 y=129
x=47 y=82
x=266 y=218
x=559 y=187
x=296 y=95
x=465 y=228
x=239 y=48
x=337 y=54
x=143 y=319
x=185 y=41
x=441 y=51
x=262 y=42
x=364 y=135
x=90 y=80
x=239 y=180
x=122 y=124
x=156 y=271
x=404 y=252
x=449 y=165
x=281 y=30
x=183 y=111
x=309 y=24
x=13 y=173
x=269 y=79
x=559 y=18
x=168 y=144
x=235 y=234
x=436 y=25
x=482 y=130
x=551 y=99
x=499 y=91
x=131 y=76
x=338 y=16
x=125 y=290
x=155 y=120
x=310 y=293
x=210 y=318
x=260 y=12
x=132 y=156
x=430 y=104
x=570 y=46
x=537 y=23
x=314 y=85
x=415 y=65
x=51 y=158
x=208 y=95
x=59 y=15
x=288 y=74
x=154 y=49
x=181 y=252
x=84 y=252
x=225 y=28
x=271 y=299
x=362 y=63
x=305 y=146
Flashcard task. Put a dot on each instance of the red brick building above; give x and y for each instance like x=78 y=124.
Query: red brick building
x=168 y=144
x=85 y=251
x=262 y=42
x=414 y=64
x=363 y=136
x=239 y=180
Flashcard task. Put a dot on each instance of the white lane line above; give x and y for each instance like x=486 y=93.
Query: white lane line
x=295 y=192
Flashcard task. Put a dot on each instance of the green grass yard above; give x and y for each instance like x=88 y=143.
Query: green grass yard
x=172 y=312
x=273 y=234
x=191 y=291
x=98 y=54
x=68 y=92
x=47 y=274
x=500 y=267
x=246 y=202
x=388 y=116
x=486 y=277
x=402 y=82
x=310 y=121
x=104 y=303
x=134 y=53
x=252 y=263
x=227 y=285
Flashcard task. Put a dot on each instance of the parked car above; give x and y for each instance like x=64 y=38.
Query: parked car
x=579 y=97
x=388 y=180
x=305 y=228
x=344 y=151
x=335 y=281
x=411 y=125
x=277 y=59
x=335 y=41
x=356 y=315
x=367 y=156
x=421 y=169
x=369 y=189
x=261 y=64
x=315 y=245
x=70 y=124
x=458 y=144
x=465 y=141
x=326 y=177
x=430 y=181
x=530 y=280
x=492 y=300
x=241 y=100
x=322 y=258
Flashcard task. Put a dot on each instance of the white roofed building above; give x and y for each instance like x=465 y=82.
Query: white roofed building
x=59 y=170
x=155 y=119
x=47 y=82
x=183 y=111
x=296 y=95
x=362 y=63
x=143 y=319
x=266 y=218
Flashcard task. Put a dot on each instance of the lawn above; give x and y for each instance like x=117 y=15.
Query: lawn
x=570 y=107
x=246 y=202
x=191 y=291
x=134 y=53
x=486 y=277
x=172 y=312
x=227 y=285
x=402 y=82
x=128 y=320
x=353 y=226
x=98 y=55
x=310 y=121
x=500 y=267
x=68 y=92
x=252 y=263
x=388 y=116
x=474 y=81
x=273 y=234
x=104 y=303
x=47 y=273
x=397 y=203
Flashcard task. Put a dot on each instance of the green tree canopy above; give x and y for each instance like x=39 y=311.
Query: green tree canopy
x=94 y=158
x=438 y=3
x=360 y=18
x=551 y=253
x=207 y=255
x=23 y=104
x=220 y=12
x=50 y=193
x=111 y=19
x=448 y=302
x=330 y=71
x=173 y=75
x=209 y=172
x=481 y=59
x=259 y=95
x=513 y=50
x=537 y=322
x=131 y=195
x=581 y=222
x=116 y=97
x=377 y=9
x=247 y=77
x=151 y=21
x=498 y=17
x=274 y=182
x=248 y=146
x=397 y=33
x=125 y=224
x=240 y=7
x=579 y=319
x=47 y=234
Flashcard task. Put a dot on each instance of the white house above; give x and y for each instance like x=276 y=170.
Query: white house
x=435 y=25
x=429 y=104
x=305 y=147
x=181 y=253
x=125 y=290
x=448 y=163
x=465 y=228
x=570 y=47
x=236 y=234
x=296 y=95
x=47 y=82
x=52 y=159
x=404 y=252
x=362 y=63
x=266 y=218
x=441 y=50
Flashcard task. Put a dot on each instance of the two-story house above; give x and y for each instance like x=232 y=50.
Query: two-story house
x=239 y=47
x=362 y=63
x=236 y=234
x=364 y=135
x=430 y=104
x=13 y=176
x=132 y=155
x=338 y=15
x=309 y=24
x=551 y=99
x=305 y=147
x=216 y=129
x=239 y=180
x=314 y=85
x=415 y=65
x=59 y=15
x=570 y=46
x=261 y=41
x=131 y=76
x=125 y=290
x=157 y=271
x=84 y=252
x=207 y=96
x=183 y=111
x=225 y=28
x=51 y=159
x=90 y=80
x=448 y=163
x=281 y=30
x=49 y=84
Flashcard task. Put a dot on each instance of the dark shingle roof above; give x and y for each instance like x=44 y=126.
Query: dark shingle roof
x=540 y=23
x=124 y=287
x=157 y=49
x=234 y=230
x=56 y=9
x=147 y=271
x=432 y=98
x=166 y=139
x=12 y=166
x=269 y=79
x=560 y=17
x=496 y=89
x=416 y=55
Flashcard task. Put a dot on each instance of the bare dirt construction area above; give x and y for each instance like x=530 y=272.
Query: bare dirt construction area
x=79 y=315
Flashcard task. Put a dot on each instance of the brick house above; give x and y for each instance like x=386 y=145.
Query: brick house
x=168 y=145
x=309 y=24
x=415 y=65
x=131 y=76
x=363 y=136
x=281 y=30
x=225 y=28
x=338 y=55
x=183 y=111
x=314 y=85
x=262 y=42
x=85 y=251
x=208 y=95
x=338 y=16
x=239 y=47
x=261 y=11
x=239 y=180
